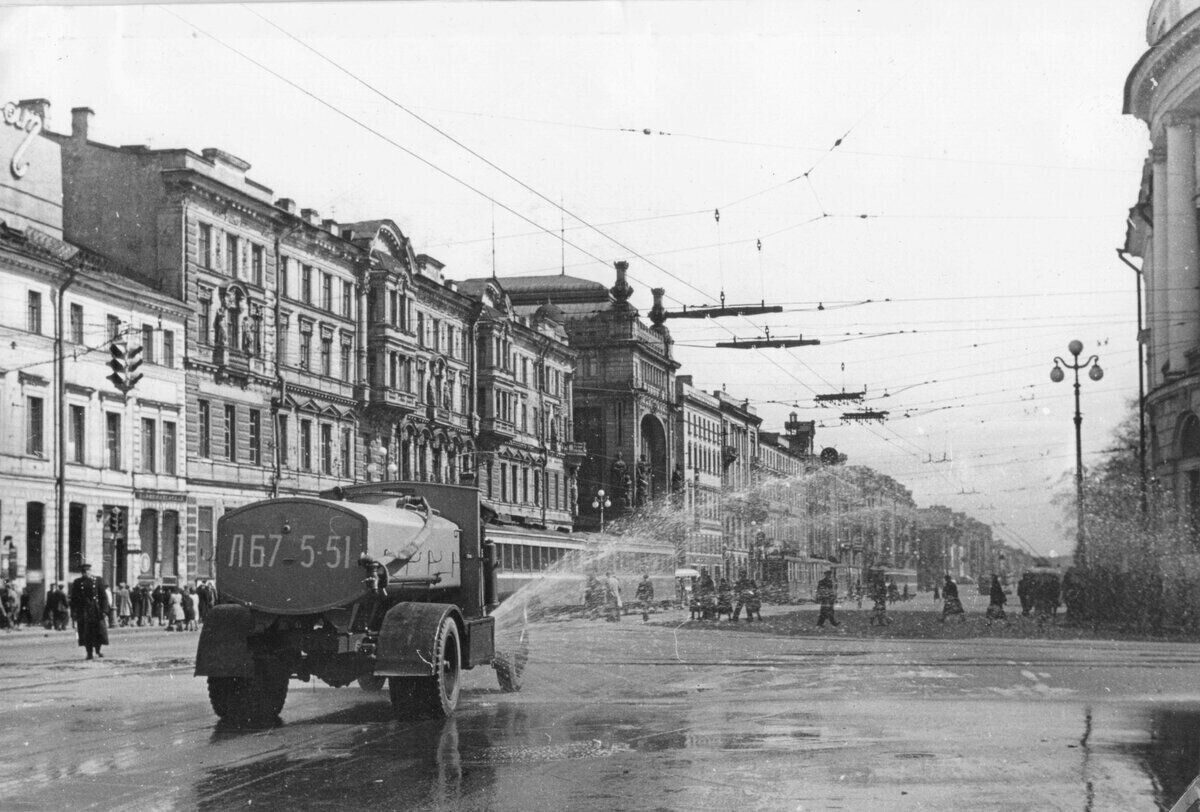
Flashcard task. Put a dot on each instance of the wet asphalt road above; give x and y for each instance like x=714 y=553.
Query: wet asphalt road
x=625 y=716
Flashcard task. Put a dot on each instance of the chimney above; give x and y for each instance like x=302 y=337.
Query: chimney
x=39 y=107
x=310 y=216
x=80 y=117
x=287 y=204
x=330 y=225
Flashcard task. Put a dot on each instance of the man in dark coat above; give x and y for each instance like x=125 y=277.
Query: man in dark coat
x=89 y=605
x=747 y=595
x=826 y=597
x=1025 y=593
x=57 y=608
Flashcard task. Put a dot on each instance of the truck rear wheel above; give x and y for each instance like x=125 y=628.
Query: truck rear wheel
x=435 y=695
x=250 y=701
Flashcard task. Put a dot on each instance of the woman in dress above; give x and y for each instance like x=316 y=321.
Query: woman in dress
x=175 y=609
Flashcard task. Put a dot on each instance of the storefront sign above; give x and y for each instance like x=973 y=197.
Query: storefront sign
x=29 y=121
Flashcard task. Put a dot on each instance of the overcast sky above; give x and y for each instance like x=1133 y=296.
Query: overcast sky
x=983 y=142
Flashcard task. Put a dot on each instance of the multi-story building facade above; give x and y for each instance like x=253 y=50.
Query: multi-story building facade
x=89 y=469
x=416 y=381
x=1161 y=91
x=270 y=292
x=527 y=460
x=745 y=508
x=699 y=455
x=624 y=391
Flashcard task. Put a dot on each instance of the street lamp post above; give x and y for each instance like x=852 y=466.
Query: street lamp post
x=601 y=502
x=1057 y=375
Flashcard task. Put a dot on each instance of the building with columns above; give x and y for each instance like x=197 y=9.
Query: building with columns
x=1163 y=90
x=527 y=462
x=624 y=389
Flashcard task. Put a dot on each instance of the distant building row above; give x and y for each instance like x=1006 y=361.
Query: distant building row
x=285 y=353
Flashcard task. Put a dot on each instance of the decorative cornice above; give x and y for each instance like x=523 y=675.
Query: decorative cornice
x=29 y=379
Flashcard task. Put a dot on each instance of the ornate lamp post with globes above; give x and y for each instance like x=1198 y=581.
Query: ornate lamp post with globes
x=1057 y=375
x=600 y=502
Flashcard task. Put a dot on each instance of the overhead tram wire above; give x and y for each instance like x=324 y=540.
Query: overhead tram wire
x=460 y=144
x=385 y=138
x=425 y=161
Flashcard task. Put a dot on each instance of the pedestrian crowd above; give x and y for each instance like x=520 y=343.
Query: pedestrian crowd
x=90 y=607
x=711 y=600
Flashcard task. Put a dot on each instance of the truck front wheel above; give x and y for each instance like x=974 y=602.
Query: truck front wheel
x=250 y=701
x=437 y=694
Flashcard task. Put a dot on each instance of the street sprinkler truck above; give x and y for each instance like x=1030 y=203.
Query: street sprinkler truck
x=384 y=583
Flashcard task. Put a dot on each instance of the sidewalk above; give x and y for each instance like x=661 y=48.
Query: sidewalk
x=36 y=634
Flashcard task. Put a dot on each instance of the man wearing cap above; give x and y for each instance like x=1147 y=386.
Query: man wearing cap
x=89 y=606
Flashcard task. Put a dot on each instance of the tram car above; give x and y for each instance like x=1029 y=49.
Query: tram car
x=551 y=571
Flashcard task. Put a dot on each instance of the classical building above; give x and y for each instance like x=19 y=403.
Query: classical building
x=744 y=512
x=699 y=455
x=416 y=380
x=527 y=463
x=624 y=391
x=1163 y=90
x=88 y=469
x=272 y=325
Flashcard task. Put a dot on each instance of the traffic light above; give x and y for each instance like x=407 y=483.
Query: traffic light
x=124 y=364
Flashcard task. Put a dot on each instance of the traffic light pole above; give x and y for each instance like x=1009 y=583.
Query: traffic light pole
x=60 y=451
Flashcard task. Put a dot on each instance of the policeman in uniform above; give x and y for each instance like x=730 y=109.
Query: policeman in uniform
x=89 y=607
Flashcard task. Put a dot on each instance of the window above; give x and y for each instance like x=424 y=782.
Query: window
x=35 y=439
x=112 y=439
x=305 y=348
x=281 y=439
x=255 y=437
x=76 y=324
x=168 y=353
x=326 y=448
x=149 y=442
x=347 y=453
x=112 y=327
x=204 y=327
x=436 y=331
x=347 y=369
x=347 y=297
x=148 y=343
x=168 y=447
x=205 y=429
x=327 y=292
x=421 y=329
x=256 y=264
x=306 y=445
x=283 y=277
x=231 y=433
x=326 y=355
x=34 y=322
x=231 y=255
x=204 y=246
x=78 y=434
x=306 y=284
x=204 y=541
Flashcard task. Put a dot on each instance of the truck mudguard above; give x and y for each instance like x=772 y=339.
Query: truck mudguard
x=407 y=637
x=223 y=651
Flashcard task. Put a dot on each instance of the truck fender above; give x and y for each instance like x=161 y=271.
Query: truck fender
x=407 y=637
x=223 y=650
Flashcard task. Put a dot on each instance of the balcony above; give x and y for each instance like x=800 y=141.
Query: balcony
x=395 y=398
x=573 y=453
x=494 y=431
